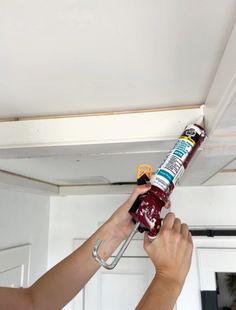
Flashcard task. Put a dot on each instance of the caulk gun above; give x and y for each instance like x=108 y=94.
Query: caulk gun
x=147 y=207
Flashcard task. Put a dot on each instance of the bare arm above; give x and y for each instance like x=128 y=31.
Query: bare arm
x=60 y=284
x=171 y=254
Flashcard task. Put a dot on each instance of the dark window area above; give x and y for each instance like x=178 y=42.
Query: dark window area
x=226 y=290
x=209 y=300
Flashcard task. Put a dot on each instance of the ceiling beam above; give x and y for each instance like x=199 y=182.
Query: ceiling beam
x=96 y=190
x=223 y=178
x=135 y=132
x=223 y=89
x=95 y=130
x=23 y=184
x=219 y=148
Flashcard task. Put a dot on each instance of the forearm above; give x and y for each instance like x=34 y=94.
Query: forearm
x=60 y=284
x=15 y=298
x=160 y=295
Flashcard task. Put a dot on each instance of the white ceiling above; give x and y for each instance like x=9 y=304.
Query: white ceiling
x=76 y=56
x=89 y=56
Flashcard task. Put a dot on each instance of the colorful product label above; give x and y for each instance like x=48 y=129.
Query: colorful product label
x=172 y=168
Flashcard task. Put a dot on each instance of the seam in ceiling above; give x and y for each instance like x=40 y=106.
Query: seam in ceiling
x=56 y=116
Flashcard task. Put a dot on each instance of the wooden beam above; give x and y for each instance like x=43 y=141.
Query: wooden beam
x=219 y=118
x=94 y=130
x=222 y=92
x=24 y=184
x=96 y=190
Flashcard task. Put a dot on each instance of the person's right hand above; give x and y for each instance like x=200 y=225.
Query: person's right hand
x=171 y=251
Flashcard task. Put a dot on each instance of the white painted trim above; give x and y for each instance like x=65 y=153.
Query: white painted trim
x=96 y=190
x=212 y=260
x=222 y=178
x=14 y=257
x=53 y=136
x=219 y=149
x=133 y=127
x=207 y=164
x=223 y=88
x=24 y=184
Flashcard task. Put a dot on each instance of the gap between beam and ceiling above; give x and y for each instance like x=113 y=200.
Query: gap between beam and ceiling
x=59 y=116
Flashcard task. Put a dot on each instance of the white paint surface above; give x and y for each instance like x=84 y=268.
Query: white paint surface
x=91 y=149
x=14 y=267
x=205 y=205
x=97 y=129
x=100 y=56
x=76 y=56
x=79 y=216
x=210 y=261
x=24 y=219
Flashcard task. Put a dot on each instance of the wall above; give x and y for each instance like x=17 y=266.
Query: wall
x=78 y=217
x=24 y=218
x=70 y=217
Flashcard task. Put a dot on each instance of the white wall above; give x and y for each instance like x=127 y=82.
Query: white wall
x=24 y=218
x=206 y=205
x=78 y=217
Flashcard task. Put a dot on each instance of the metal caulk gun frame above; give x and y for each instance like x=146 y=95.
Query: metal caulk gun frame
x=144 y=173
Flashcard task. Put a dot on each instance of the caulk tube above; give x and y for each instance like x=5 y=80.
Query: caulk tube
x=147 y=207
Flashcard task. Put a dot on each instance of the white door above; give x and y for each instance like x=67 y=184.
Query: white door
x=120 y=288
x=14 y=266
x=11 y=278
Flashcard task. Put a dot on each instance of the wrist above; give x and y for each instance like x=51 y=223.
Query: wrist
x=109 y=240
x=120 y=226
x=169 y=283
x=115 y=231
x=161 y=294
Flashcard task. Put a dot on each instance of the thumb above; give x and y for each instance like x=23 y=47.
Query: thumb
x=146 y=241
x=139 y=190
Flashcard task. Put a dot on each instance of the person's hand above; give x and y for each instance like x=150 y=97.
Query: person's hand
x=121 y=219
x=171 y=251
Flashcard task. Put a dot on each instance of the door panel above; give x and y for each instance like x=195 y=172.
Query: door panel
x=121 y=288
x=14 y=266
x=11 y=278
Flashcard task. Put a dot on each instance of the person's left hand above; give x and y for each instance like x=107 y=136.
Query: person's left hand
x=121 y=219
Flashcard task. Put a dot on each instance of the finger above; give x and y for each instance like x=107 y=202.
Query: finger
x=168 y=204
x=184 y=230
x=168 y=221
x=146 y=241
x=190 y=237
x=190 y=240
x=177 y=225
x=138 y=190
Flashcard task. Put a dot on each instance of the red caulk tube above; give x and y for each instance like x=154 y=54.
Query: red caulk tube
x=147 y=208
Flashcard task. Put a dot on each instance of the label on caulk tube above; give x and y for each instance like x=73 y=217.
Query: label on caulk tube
x=172 y=168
